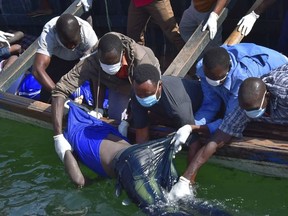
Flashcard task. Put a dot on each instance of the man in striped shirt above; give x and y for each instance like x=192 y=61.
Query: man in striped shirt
x=260 y=99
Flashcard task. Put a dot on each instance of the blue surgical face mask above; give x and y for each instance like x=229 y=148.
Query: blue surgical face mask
x=112 y=69
x=257 y=113
x=215 y=82
x=150 y=100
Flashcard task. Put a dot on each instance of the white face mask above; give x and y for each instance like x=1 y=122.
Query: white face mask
x=112 y=69
x=215 y=82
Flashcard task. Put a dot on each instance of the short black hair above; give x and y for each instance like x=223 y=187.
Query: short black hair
x=216 y=56
x=251 y=91
x=109 y=42
x=68 y=28
x=145 y=72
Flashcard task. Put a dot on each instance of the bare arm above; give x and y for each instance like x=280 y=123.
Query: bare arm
x=142 y=135
x=203 y=129
x=219 y=6
x=203 y=155
x=57 y=107
x=73 y=169
x=41 y=63
x=263 y=6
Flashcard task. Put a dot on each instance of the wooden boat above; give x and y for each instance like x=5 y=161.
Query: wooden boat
x=263 y=149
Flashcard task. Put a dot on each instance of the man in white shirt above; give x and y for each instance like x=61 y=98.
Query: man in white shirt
x=63 y=41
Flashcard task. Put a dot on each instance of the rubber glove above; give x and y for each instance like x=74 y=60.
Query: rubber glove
x=247 y=22
x=98 y=114
x=211 y=24
x=61 y=146
x=87 y=4
x=5 y=34
x=3 y=37
x=123 y=128
x=181 y=137
x=181 y=189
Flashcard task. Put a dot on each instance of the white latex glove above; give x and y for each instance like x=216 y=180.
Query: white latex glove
x=5 y=34
x=247 y=22
x=123 y=128
x=211 y=24
x=61 y=146
x=98 y=114
x=181 y=189
x=87 y=4
x=181 y=137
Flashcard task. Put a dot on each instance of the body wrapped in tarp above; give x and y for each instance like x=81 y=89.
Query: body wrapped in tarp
x=143 y=170
x=146 y=171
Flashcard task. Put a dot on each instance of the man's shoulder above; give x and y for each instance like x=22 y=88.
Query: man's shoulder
x=51 y=23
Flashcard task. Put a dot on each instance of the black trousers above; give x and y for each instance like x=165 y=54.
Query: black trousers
x=56 y=69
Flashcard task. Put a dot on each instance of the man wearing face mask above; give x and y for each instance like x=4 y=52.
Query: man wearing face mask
x=221 y=71
x=109 y=65
x=165 y=100
x=63 y=41
x=260 y=99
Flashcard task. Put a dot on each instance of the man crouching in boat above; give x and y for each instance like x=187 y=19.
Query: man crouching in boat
x=263 y=99
x=63 y=41
x=145 y=171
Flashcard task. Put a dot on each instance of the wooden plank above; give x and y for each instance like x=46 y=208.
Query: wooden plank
x=196 y=44
x=257 y=167
x=25 y=60
x=192 y=49
x=236 y=37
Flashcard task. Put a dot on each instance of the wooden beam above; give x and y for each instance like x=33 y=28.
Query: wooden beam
x=236 y=36
x=192 y=49
x=25 y=60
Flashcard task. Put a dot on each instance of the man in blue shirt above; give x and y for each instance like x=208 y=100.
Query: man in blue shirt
x=221 y=71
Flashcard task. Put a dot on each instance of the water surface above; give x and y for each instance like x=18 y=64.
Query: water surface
x=33 y=182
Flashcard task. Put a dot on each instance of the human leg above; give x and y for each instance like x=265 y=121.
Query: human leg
x=8 y=62
x=162 y=13
x=136 y=23
x=190 y=20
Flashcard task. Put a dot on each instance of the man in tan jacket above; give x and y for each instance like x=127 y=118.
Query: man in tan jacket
x=110 y=65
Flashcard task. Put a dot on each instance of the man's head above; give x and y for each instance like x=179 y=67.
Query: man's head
x=110 y=50
x=68 y=31
x=253 y=97
x=216 y=65
x=147 y=84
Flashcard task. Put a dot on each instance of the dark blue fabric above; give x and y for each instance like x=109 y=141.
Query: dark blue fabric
x=4 y=53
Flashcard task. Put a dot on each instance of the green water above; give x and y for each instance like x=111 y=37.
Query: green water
x=33 y=182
